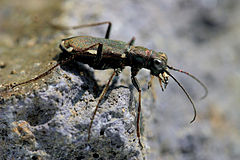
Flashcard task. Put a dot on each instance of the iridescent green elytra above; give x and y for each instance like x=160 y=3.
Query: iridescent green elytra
x=117 y=54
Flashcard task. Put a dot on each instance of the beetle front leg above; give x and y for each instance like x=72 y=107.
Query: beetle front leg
x=150 y=84
x=137 y=86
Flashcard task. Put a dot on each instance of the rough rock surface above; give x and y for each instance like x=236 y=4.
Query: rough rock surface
x=199 y=36
x=52 y=122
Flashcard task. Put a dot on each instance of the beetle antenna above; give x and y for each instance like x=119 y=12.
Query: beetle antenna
x=192 y=76
x=186 y=93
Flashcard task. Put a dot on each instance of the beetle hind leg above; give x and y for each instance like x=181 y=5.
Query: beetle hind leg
x=107 y=34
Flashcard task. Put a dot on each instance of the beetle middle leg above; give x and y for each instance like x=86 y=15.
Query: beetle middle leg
x=97 y=60
x=99 y=101
x=131 y=42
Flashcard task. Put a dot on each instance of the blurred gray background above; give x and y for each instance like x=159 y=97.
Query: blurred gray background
x=198 y=36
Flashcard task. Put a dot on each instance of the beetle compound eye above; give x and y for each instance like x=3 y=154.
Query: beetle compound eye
x=158 y=64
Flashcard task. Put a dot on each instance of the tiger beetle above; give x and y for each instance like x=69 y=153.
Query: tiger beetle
x=103 y=53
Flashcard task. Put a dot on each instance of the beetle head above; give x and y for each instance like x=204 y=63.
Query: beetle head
x=158 y=67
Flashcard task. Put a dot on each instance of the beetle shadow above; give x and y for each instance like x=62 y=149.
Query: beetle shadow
x=86 y=73
x=81 y=70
